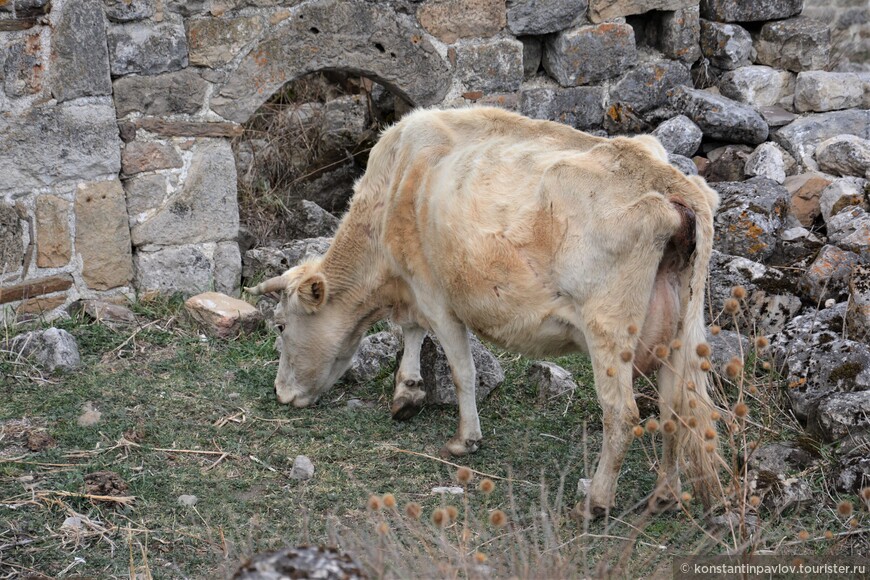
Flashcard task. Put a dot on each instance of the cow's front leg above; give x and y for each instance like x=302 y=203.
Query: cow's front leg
x=409 y=394
x=453 y=337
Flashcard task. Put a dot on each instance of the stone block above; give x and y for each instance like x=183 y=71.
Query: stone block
x=80 y=59
x=750 y=217
x=536 y=17
x=821 y=91
x=677 y=34
x=850 y=230
x=550 y=380
x=204 y=210
x=147 y=48
x=726 y=46
x=185 y=269
x=806 y=190
x=766 y=161
x=490 y=66
x=129 y=10
x=679 y=135
x=802 y=136
x=840 y=194
x=579 y=107
x=23 y=68
x=759 y=86
x=845 y=155
x=600 y=10
x=103 y=234
x=53 y=240
x=533 y=51
x=223 y=316
x=642 y=90
x=751 y=11
x=140 y=156
x=828 y=275
x=42 y=305
x=450 y=20
x=567 y=53
x=11 y=240
x=797 y=44
x=227 y=268
x=181 y=92
x=720 y=117
x=213 y=42
x=144 y=193
x=727 y=163
x=53 y=143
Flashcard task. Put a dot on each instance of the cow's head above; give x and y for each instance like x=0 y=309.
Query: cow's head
x=319 y=335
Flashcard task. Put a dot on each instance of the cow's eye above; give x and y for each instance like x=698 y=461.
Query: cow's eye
x=280 y=328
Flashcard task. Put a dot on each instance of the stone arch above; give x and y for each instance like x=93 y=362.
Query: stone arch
x=350 y=36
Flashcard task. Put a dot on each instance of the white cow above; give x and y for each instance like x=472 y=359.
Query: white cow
x=540 y=238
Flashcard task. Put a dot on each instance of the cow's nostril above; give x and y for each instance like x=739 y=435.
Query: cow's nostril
x=280 y=328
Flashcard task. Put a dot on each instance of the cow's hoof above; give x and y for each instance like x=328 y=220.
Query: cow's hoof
x=405 y=408
x=459 y=447
x=594 y=512
x=661 y=503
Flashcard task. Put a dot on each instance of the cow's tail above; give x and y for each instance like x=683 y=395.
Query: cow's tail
x=684 y=382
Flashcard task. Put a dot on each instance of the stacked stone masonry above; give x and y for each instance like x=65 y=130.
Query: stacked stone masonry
x=116 y=116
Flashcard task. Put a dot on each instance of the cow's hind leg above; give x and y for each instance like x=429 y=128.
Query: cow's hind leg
x=613 y=384
x=409 y=394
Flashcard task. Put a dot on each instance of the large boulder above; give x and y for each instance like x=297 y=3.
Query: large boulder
x=438 y=378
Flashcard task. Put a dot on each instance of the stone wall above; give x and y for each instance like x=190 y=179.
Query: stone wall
x=116 y=171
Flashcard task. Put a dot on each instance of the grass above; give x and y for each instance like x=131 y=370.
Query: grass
x=181 y=414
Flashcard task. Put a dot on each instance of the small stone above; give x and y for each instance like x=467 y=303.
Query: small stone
x=533 y=51
x=187 y=500
x=750 y=217
x=73 y=523
x=11 y=239
x=600 y=10
x=801 y=137
x=858 y=310
x=766 y=161
x=684 y=164
x=181 y=92
x=214 y=42
x=840 y=194
x=579 y=107
x=806 y=190
x=129 y=10
x=844 y=155
x=727 y=163
x=743 y=11
x=677 y=33
x=776 y=116
x=448 y=490
x=679 y=135
x=635 y=100
x=187 y=269
x=844 y=414
x=309 y=220
x=222 y=315
x=302 y=468
x=53 y=348
x=53 y=237
x=550 y=380
x=821 y=91
x=80 y=60
x=90 y=415
x=103 y=311
x=850 y=230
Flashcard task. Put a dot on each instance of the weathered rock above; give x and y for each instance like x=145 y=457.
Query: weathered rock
x=144 y=194
x=141 y=156
x=533 y=51
x=727 y=163
x=727 y=345
x=40 y=306
x=102 y=311
x=684 y=164
x=304 y=561
x=129 y=10
x=11 y=239
x=759 y=86
x=375 y=353
x=766 y=161
x=187 y=500
x=270 y=262
x=213 y=42
x=801 y=137
x=780 y=458
x=600 y=10
x=775 y=116
x=749 y=217
x=796 y=44
x=806 y=190
x=726 y=46
x=550 y=380
x=544 y=16
x=223 y=316
x=816 y=360
x=450 y=20
x=23 y=67
x=147 y=48
x=70 y=141
x=185 y=269
x=228 y=268
x=103 y=234
x=180 y=92
x=821 y=91
x=438 y=379
x=740 y=11
x=779 y=493
x=850 y=230
x=827 y=276
x=566 y=53
x=719 y=117
x=53 y=348
x=579 y=107
x=80 y=59
x=302 y=468
x=796 y=246
x=858 y=310
x=677 y=33
x=351 y=35
x=842 y=415
x=679 y=135
x=490 y=66
x=853 y=471
x=641 y=90
x=309 y=220
x=840 y=194
x=53 y=240
x=206 y=207
x=844 y=155
x=331 y=188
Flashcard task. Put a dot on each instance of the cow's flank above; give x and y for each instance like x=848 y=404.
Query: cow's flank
x=540 y=238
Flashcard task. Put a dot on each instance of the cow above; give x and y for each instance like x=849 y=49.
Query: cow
x=539 y=238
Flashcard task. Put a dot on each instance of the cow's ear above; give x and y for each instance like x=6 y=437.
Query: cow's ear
x=312 y=292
